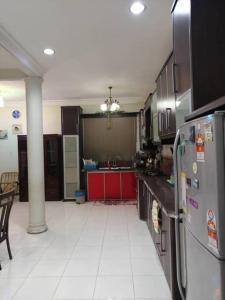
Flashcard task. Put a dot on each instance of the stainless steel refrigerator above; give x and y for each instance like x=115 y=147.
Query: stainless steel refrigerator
x=199 y=167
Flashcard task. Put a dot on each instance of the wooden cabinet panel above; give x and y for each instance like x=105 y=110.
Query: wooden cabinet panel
x=166 y=100
x=96 y=189
x=113 y=186
x=142 y=197
x=170 y=104
x=149 y=212
x=181 y=39
x=141 y=120
x=198 y=35
x=52 y=167
x=164 y=238
x=23 y=168
x=128 y=185
x=160 y=107
x=166 y=247
x=71 y=120
x=155 y=131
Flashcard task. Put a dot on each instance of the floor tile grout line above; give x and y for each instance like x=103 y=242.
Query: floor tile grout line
x=132 y=275
x=101 y=251
x=19 y=287
x=124 y=217
x=27 y=277
x=61 y=277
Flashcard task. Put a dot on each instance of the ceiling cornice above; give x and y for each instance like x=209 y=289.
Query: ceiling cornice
x=29 y=65
x=73 y=102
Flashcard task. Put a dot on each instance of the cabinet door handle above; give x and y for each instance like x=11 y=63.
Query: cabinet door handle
x=160 y=122
x=157 y=246
x=168 y=117
x=175 y=89
x=163 y=247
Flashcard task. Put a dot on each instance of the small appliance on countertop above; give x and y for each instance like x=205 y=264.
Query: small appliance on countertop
x=148 y=162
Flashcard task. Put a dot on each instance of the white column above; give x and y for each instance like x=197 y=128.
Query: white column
x=35 y=155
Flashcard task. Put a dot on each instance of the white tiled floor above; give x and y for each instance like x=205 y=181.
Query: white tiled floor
x=91 y=251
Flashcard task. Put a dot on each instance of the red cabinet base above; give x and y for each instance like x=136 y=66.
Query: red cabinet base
x=111 y=185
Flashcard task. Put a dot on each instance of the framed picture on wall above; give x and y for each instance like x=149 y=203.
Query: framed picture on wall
x=4 y=134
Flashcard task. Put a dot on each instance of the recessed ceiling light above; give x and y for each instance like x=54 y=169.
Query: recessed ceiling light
x=49 y=51
x=137 y=8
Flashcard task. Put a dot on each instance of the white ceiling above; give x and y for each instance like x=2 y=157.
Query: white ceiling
x=97 y=42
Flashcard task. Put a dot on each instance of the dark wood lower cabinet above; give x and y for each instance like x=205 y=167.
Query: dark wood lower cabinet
x=142 y=200
x=164 y=240
x=168 y=252
x=52 y=167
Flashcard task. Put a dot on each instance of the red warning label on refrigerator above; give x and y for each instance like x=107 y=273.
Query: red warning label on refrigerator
x=212 y=229
x=200 y=147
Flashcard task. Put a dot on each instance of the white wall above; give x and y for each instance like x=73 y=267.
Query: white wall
x=51 y=125
x=8 y=148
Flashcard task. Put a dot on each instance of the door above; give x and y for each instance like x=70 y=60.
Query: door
x=165 y=247
x=52 y=145
x=71 y=162
x=164 y=93
x=166 y=100
x=128 y=186
x=149 y=211
x=205 y=273
x=23 y=168
x=202 y=181
x=141 y=199
x=96 y=186
x=160 y=106
x=141 y=119
x=112 y=186
x=52 y=167
x=154 y=118
x=70 y=117
x=170 y=108
x=181 y=46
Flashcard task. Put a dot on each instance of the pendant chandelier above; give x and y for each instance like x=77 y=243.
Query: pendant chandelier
x=110 y=104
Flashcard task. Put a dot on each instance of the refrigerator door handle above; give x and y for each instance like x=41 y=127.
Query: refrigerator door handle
x=178 y=219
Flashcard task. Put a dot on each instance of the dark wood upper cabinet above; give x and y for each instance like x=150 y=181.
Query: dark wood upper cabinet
x=199 y=47
x=141 y=123
x=181 y=44
x=170 y=106
x=71 y=120
x=166 y=100
x=160 y=109
x=148 y=129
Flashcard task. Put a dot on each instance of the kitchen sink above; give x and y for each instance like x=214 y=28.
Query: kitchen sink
x=114 y=168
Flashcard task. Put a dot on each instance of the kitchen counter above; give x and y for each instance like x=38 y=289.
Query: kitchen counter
x=162 y=190
x=104 y=170
x=160 y=222
x=111 y=184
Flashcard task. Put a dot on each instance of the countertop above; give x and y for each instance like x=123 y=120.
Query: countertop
x=162 y=190
x=110 y=170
